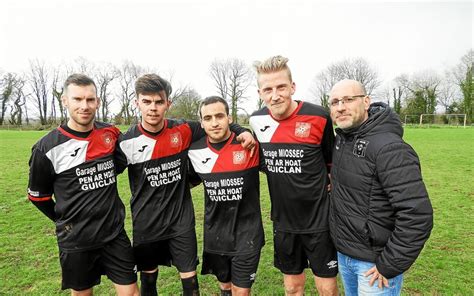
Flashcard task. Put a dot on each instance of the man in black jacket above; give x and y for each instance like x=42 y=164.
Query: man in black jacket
x=381 y=215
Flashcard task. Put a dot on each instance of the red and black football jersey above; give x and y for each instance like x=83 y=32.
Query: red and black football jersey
x=158 y=174
x=232 y=221
x=80 y=173
x=296 y=154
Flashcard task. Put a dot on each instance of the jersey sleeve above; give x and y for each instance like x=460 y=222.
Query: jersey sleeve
x=40 y=184
x=237 y=129
x=327 y=143
x=196 y=130
x=120 y=158
x=193 y=177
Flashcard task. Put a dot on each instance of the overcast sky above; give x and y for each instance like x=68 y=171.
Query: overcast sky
x=184 y=37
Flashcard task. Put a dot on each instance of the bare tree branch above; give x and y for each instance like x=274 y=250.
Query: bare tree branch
x=232 y=78
x=358 y=69
x=38 y=81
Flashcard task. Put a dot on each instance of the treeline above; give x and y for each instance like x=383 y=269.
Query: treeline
x=36 y=93
x=424 y=92
x=39 y=91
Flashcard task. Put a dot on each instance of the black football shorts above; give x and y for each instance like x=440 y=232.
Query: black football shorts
x=82 y=270
x=180 y=251
x=293 y=252
x=238 y=269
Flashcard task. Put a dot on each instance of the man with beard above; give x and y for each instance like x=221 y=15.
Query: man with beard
x=75 y=163
x=156 y=154
x=381 y=215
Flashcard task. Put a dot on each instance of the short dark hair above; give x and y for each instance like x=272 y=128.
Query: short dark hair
x=152 y=84
x=212 y=100
x=79 y=79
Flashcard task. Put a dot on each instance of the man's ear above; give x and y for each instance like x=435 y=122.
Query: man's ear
x=293 y=88
x=230 y=119
x=259 y=94
x=367 y=102
x=64 y=100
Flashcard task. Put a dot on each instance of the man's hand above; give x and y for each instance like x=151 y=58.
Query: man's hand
x=376 y=275
x=247 y=141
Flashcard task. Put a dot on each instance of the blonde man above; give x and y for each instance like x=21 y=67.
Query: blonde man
x=296 y=140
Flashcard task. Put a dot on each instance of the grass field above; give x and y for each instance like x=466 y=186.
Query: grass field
x=29 y=263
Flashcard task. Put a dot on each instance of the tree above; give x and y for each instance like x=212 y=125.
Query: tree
x=447 y=95
x=260 y=103
x=57 y=89
x=463 y=76
x=19 y=103
x=397 y=99
x=38 y=81
x=8 y=84
x=104 y=75
x=423 y=89
x=357 y=69
x=232 y=77
x=83 y=65
x=185 y=105
x=392 y=95
x=127 y=75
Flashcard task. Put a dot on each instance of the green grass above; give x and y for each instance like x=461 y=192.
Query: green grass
x=29 y=263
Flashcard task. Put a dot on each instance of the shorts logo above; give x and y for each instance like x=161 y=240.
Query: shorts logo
x=175 y=140
x=239 y=157
x=359 y=148
x=332 y=264
x=252 y=276
x=108 y=139
x=302 y=129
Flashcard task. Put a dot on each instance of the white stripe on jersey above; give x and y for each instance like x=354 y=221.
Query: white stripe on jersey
x=264 y=126
x=139 y=149
x=68 y=155
x=203 y=160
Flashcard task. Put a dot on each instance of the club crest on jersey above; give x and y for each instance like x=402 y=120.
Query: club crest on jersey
x=302 y=129
x=239 y=157
x=359 y=148
x=108 y=139
x=175 y=140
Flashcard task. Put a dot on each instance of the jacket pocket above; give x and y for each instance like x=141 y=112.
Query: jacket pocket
x=378 y=235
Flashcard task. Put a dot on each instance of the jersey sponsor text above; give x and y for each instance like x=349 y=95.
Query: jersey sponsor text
x=98 y=176
x=166 y=173
x=225 y=189
x=283 y=161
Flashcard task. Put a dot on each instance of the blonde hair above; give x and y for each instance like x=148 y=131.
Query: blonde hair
x=273 y=64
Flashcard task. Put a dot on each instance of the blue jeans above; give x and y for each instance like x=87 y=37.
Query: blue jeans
x=355 y=283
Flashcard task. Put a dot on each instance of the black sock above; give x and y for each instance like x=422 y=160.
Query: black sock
x=190 y=286
x=148 y=283
x=226 y=292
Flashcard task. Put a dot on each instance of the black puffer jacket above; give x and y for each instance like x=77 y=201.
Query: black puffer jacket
x=380 y=211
